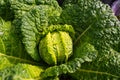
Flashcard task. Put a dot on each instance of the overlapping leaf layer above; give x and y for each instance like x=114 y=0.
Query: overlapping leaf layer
x=96 y=53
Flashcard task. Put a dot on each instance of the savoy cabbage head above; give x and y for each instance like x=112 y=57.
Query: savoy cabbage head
x=83 y=35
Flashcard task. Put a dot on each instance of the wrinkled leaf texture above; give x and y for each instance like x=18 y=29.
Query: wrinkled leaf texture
x=96 y=24
x=13 y=56
x=35 y=14
x=96 y=47
x=12 y=53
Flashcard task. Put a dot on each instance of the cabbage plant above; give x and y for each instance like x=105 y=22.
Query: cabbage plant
x=42 y=40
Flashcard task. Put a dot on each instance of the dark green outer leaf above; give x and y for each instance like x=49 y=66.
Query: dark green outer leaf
x=5 y=12
x=11 y=51
x=36 y=19
x=69 y=67
x=20 y=7
x=35 y=14
x=15 y=63
x=31 y=34
x=11 y=41
x=95 y=24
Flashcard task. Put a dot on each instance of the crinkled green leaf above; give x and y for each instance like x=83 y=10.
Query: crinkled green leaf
x=108 y=68
x=36 y=16
x=11 y=41
x=31 y=34
x=74 y=64
x=96 y=43
x=21 y=72
x=11 y=50
x=40 y=9
x=20 y=7
x=95 y=23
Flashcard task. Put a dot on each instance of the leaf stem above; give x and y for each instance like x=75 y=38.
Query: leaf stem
x=82 y=34
x=17 y=59
x=98 y=72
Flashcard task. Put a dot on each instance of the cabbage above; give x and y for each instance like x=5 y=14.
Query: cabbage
x=89 y=29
